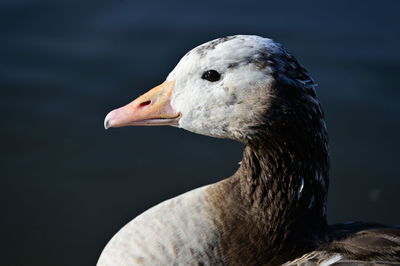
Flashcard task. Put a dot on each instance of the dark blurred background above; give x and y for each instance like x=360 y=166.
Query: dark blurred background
x=67 y=185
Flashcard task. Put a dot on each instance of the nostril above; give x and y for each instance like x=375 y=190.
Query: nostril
x=144 y=103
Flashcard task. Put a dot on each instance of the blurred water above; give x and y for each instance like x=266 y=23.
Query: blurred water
x=68 y=185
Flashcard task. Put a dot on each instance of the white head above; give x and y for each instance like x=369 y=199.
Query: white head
x=236 y=91
x=222 y=88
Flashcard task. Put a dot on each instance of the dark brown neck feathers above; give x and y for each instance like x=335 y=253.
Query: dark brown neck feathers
x=271 y=208
x=286 y=195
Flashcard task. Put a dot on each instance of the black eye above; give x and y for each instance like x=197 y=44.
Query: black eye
x=211 y=75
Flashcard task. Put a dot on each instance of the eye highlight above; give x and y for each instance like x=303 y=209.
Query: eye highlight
x=211 y=75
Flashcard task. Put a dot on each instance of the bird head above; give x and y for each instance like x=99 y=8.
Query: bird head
x=227 y=88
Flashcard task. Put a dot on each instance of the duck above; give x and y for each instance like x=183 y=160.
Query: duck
x=272 y=210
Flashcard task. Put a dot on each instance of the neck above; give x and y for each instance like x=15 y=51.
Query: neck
x=276 y=200
x=289 y=192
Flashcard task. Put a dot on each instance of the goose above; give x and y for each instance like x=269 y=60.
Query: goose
x=272 y=210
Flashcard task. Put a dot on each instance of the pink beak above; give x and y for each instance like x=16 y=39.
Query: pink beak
x=151 y=109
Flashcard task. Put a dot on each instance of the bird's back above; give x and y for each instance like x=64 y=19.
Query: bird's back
x=356 y=243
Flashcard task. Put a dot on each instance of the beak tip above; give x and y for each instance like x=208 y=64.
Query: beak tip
x=107 y=123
